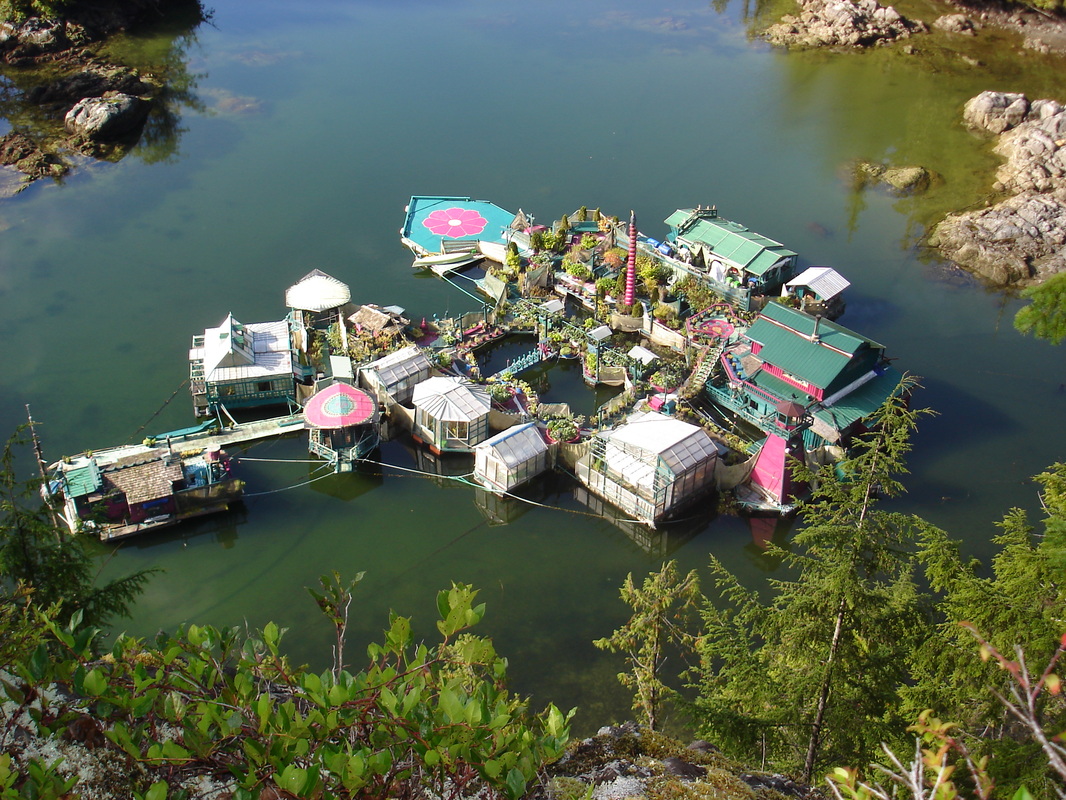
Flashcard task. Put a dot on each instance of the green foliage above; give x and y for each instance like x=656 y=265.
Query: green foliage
x=579 y=271
x=1020 y=600
x=811 y=677
x=945 y=766
x=1045 y=316
x=696 y=294
x=20 y=10
x=416 y=720
x=43 y=564
x=604 y=286
x=663 y=609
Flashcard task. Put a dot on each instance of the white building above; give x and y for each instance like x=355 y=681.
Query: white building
x=511 y=457
x=451 y=414
x=651 y=466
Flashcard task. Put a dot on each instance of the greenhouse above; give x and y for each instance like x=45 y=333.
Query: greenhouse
x=451 y=414
x=397 y=373
x=651 y=466
x=511 y=458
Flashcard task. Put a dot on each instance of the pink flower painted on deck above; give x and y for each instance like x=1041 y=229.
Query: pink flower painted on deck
x=455 y=222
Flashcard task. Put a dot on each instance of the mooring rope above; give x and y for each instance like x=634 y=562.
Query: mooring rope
x=287 y=488
x=281 y=460
x=158 y=411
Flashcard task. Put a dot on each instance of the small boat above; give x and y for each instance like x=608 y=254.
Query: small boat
x=122 y=491
x=453 y=260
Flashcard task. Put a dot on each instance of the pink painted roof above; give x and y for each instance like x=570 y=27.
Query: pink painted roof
x=339 y=406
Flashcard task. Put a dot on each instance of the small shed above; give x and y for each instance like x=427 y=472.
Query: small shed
x=451 y=414
x=397 y=373
x=823 y=283
x=511 y=457
x=650 y=466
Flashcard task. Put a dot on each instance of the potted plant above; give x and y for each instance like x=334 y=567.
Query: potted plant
x=564 y=429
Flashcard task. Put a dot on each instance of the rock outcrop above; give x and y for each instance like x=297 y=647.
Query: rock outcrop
x=107 y=117
x=955 y=23
x=842 y=23
x=899 y=180
x=627 y=761
x=1022 y=239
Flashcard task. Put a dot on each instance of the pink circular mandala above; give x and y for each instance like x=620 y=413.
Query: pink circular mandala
x=455 y=222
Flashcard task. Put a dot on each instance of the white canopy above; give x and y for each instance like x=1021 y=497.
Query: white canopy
x=451 y=399
x=317 y=291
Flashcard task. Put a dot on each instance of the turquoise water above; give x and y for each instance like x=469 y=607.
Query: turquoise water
x=308 y=127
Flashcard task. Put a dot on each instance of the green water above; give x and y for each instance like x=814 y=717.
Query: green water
x=301 y=133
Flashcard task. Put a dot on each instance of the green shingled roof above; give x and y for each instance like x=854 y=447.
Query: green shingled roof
x=730 y=240
x=785 y=336
x=81 y=481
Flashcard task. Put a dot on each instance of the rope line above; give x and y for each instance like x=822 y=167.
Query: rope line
x=287 y=488
x=464 y=479
x=158 y=411
x=281 y=460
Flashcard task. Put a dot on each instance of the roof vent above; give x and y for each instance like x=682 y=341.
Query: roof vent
x=814 y=334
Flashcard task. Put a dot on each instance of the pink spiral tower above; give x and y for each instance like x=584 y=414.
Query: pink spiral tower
x=631 y=268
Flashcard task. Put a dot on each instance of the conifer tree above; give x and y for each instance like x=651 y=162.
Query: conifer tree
x=1045 y=316
x=811 y=677
x=661 y=610
x=48 y=566
x=1022 y=600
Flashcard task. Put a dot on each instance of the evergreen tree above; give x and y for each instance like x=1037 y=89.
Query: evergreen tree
x=811 y=677
x=661 y=611
x=1045 y=316
x=1021 y=602
x=38 y=555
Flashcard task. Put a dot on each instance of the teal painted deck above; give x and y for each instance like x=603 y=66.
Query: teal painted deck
x=430 y=220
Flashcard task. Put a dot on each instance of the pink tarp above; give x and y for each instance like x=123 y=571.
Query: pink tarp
x=770 y=468
x=339 y=406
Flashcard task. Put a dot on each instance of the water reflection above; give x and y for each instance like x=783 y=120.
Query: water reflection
x=345 y=486
x=154 y=63
x=221 y=527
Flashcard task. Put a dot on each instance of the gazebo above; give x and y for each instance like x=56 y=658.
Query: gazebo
x=651 y=466
x=321 y=297
x=511 y=457
x=342 y=424
x=451 y=414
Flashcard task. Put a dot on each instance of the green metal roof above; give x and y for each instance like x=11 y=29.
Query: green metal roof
x=81 y=481
x=679 y=216
x=779 y=388
x=862 y=402
x=729 y=240
x=785 y=335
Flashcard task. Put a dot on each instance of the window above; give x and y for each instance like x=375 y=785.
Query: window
x=263 y=386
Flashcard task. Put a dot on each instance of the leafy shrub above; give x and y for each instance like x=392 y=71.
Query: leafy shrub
x=417 y=720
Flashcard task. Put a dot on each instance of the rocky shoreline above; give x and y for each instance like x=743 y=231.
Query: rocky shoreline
x=1020 y=240
x=90 y=106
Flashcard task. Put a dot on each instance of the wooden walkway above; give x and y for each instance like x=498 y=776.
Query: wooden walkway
x=234 y=435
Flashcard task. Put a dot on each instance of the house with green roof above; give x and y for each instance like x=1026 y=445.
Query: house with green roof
x=728 y=255
x=794 y=374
